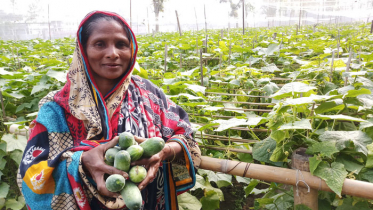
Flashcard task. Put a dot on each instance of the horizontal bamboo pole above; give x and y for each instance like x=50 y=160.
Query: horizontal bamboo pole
x=234 y=89
x=229 y=94
x=284 y=175
x=224 y=138
x=240 y=128
x=254 y=110
x=226 y=149
x=237 y=102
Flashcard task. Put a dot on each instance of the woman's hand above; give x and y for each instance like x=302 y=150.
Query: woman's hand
x=93 y=162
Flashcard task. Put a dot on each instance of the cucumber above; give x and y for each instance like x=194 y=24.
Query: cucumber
x=110 y=154
x=137 y=174
x=131 y=196
x=135 y=152
x=122 y=160
x=115 y=183
x=109 y=163
x=126 y=140
x=152 y=146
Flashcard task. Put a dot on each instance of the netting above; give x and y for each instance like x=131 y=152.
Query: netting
x=21 y=19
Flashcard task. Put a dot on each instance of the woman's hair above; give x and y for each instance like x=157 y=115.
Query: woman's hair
x=89 y=25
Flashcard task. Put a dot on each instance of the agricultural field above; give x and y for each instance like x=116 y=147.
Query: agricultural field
x=254 y=97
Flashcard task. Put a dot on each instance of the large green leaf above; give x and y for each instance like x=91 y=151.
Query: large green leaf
x=334 y=175
x=15 y=204
x=4 y=189
x=349 y=204
x=16 y=155
x=234 y=122
x=302 y=124
x=263 y=150
x=369 y=162
x=187 y=201
x=249 y=188
x=289 y=89
x=305 y=100
x=355 y=140
x=355 y=93
x=201 y=183
x=58 y=75
x=350 y=163
x=339 y=117
x=210 y=201
x=328 y=106
x=15 y=142
x=325 y=148
x=314 y=163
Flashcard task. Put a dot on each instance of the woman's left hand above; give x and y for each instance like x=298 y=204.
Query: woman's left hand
x=152 y=165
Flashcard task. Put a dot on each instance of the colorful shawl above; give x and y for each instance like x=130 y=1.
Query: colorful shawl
x=78 y=117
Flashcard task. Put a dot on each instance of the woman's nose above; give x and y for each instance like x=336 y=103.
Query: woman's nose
x=112 y=52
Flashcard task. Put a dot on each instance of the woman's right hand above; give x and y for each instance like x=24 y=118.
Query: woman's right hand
x=93 y=162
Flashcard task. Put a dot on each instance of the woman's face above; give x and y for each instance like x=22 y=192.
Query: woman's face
x=108 y=51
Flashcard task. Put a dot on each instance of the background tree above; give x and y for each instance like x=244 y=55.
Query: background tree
x=158 y=7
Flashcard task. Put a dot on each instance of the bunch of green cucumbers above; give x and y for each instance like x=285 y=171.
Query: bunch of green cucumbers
x=121 y=157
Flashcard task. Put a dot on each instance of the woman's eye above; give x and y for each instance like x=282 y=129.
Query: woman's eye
x=99 y=44
x=122 y=44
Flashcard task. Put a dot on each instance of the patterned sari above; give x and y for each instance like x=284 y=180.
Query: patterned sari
x=78 y=117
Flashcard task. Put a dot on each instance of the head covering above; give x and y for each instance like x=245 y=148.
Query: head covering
x=80 y=96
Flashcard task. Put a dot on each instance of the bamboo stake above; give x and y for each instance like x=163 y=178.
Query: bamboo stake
x=165 y=58
x=284 y=175
x=195 y=13
x=238 y=102
x=249 y=110
x=200 y=57
x=243 y=17
x=331 y=67
x=348 y=66
x=230 y=94
x=371 y=28
x=197 y=44
x=178 y=23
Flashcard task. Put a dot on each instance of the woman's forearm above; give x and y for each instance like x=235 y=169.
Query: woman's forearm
x=172 y=151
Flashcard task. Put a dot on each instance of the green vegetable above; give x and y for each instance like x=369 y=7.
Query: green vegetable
x=135 y=152
x=126 y=140
x=152 y=146
x=115 y=183
x=122 y=160
x=131 y=196
x=110 y=154
x=137 y=174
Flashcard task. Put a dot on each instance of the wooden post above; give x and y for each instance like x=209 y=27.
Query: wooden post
x=204 y=8
x=221 y=34
x=300 y=13
x=195 y=13
x=165 y=58
x=348 y=66
x=178 y=23
x=302 y=195
x=274 y=36
x=371 y=28
x=230 y=52
x=197 y=44
x=49 y=25
x=206 y=43
x=331 y=67
x=201 y=61
x=243 y=17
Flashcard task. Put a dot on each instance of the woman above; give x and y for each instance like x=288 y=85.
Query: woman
x=63 y=163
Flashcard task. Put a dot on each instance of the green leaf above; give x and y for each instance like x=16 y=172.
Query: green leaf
x=1 y=174
x=302 y=207
x=223 y=180
x=278 y=135
x=356 y=140
x=201 y=183
x=290 y=88
x=187 y=201
x=369 y=163
x=263 y=150
x=366 y=174
x=249 y=188
x=355 y=93
x=234 y=122
x=348 y=204
x=14 y=204
x=58 y=75
x=207 y=126
x=314 y=163
x=264 y=201
x=339 y=117
x=4 y=189
x=38 y=88
x=241 y=179
x=302 y=124
x=2 y=203
x=210 y=201
x=325 y=148
x=281 y=152
x=349 y=163
x=15 y=142
x=335 y=105
x=16 y=155
x=305 y=100
x=367 y=124
x=244 y=157
x=333 y=175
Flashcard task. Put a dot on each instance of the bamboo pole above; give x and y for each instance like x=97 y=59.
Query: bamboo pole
x=284 y=175
x=371 y=28
x=238 y=102
x=243 y=17
x=230 y=94
x=226 y=149
x=254 y=110
x=331 y=67
x=348 y=66
x=178 y=23
x=201 y=67
x=240 y=128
